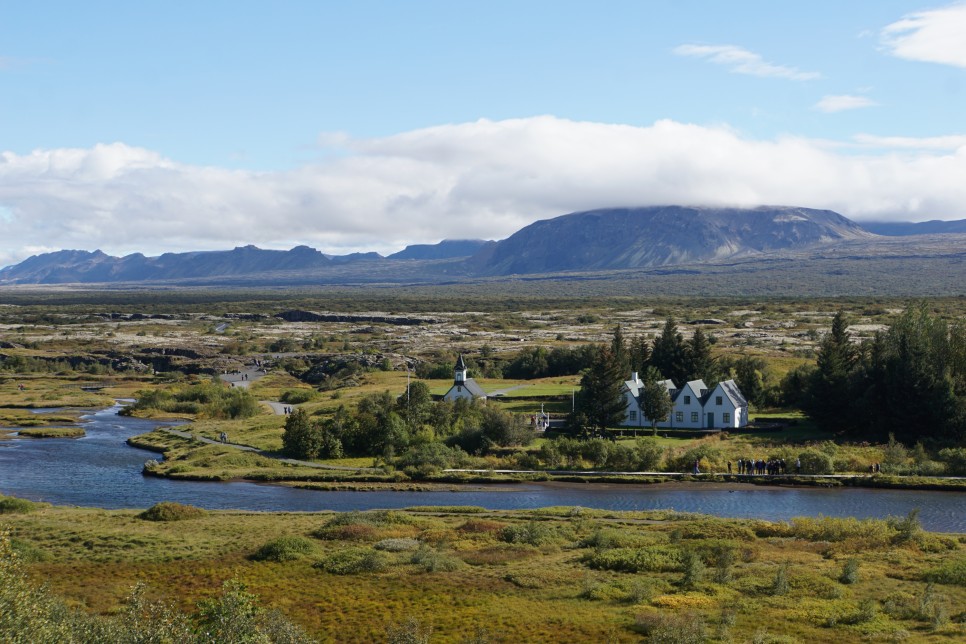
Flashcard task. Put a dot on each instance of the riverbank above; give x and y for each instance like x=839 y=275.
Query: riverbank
x=537 y=575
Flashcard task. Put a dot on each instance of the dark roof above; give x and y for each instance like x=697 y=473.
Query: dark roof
x=731 y=389
x=460 y=365
x=470 y=385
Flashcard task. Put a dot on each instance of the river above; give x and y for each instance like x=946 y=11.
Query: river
x=101 y=470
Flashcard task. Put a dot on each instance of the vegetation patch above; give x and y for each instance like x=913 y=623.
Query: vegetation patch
x=13 y=505
x=171 y=511
x=288 y=548
x=52 y=432
x=354 y=561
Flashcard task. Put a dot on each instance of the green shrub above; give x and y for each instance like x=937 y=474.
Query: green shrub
x=650 y=559
x=288 y=548
x=353 y=561
x=850 y=571
x=397 y=545
x=672 y=628
x=716 y=529
x=13 y=505
x=779 y=585
x=693 y=569
x=171 y=511
x=297 y=396
x=532 y=533
x=816 y=462
x=952 y=572
x=432 y=561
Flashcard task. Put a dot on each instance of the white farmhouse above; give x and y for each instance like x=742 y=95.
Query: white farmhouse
x=463 y=387
x=694 y=406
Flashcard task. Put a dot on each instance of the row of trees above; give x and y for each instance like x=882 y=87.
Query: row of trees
x=908 y=381
x=385 y=426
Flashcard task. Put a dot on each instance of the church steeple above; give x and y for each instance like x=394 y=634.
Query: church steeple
x=459 y=371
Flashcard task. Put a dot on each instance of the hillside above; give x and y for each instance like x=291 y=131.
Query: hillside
x=625 y=238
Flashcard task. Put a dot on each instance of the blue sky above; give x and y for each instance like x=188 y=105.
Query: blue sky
x=167 y=126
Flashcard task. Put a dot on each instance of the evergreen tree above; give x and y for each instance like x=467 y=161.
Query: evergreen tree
x=618 y=347
x=831 y=392
x=654 y=399
x=640 y=354
x=915 y=380
x=601 y=400
x=668 y=355
x=699 y=362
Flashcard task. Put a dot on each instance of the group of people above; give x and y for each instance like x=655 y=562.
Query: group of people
x=759 y=466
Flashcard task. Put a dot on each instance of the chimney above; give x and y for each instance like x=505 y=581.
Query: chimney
x=633 y=376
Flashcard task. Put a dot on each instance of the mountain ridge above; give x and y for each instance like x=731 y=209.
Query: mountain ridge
x=596 y=240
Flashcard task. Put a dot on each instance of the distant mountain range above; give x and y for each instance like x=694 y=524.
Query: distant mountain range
x=612 y=239
x=904 y=228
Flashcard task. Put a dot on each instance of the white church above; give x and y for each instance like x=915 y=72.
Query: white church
x=463 y=387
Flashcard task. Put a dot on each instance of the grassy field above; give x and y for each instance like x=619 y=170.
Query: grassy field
x=551 y=575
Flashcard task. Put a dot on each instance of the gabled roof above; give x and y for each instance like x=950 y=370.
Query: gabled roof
x=697 y=386
x=473 y=388
x=731 y=390
x=460 y=365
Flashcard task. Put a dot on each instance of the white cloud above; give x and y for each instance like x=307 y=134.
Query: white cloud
x=949 y=142
x=841 y=102
x=742 y=61
x=932 y=36
x=482 y=179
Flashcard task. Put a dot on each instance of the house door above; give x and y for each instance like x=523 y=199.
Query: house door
x=710 y=420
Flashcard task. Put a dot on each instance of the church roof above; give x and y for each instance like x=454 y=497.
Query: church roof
x=460 y=365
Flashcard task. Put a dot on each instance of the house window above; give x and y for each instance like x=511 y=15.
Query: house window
x=632 y=415
x=694 y=416
x=717 y=400
x=679 y=416
x=687 y=400
x=726 y=417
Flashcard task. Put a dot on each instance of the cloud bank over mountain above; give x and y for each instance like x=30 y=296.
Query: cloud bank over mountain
x=483 y=179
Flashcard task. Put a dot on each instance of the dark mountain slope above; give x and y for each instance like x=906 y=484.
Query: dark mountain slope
x=903 y=228
x=74 y=266
x=620 y=238
x=445 y=249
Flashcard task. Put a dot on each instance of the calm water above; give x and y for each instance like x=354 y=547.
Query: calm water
x=100 y=470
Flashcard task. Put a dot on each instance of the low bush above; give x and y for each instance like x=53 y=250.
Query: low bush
x=481 y=526
x=353 y=561
x=673 y=628
x=952 y=572
x=297 y=396
x=433 y=561
x=850 y=571
x=402 y=544
x=171 y=511
x=288 y=548
x=651 y=559
x=532 y=533
x=13 y=505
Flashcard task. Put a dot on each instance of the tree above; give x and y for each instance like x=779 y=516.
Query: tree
x=415 y=405
x=505 y=429
x=751 y=376
x=831 y=396
x=618 y=347
x=302 y=438
x=668 y=355
x=654 y=399
x=601 y=392
x=699 y=362
x=640 y=354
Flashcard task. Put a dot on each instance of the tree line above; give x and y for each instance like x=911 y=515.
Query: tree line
x=908 y=381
